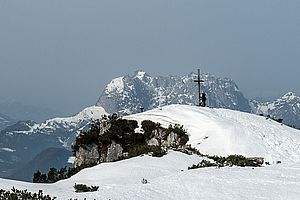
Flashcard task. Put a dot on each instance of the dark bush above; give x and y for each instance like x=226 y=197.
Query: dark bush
x=85 y=188
x=237 y=160
x=55 y=175
x=220 y=160
x=23 y=195
x=178 y=129
x=149 y=127
x=202 y=164
x=136 y=150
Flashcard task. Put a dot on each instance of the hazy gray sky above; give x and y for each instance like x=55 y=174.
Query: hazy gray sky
x=61 y=54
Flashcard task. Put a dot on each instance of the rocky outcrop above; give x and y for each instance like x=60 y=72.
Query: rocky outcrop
x=92 y=154
x=114 y=152
x=153 y=141
x=172 y=140
x=164 y=139
x=87 y=155
x=119 y=140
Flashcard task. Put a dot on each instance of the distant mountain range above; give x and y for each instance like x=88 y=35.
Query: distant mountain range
x=5 y=121
x=50 y=157
x=127 y=94
x=286 y=107
x=19 y=111
x=21 y=142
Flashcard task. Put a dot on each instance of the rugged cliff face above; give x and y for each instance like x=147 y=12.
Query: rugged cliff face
x=128 y=93
x=87 y=155
x=119 y=139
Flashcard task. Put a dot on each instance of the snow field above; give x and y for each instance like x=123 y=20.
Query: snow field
x=223 y=132
x=212 y=131
x=122 y=181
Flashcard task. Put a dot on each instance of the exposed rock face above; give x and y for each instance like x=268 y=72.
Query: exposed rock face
x=90 y=154
x=128 y=93
x=157 y=137
x=160 y=138
x=173 y=140
x=106 y=149
x=114 y=152
x=153 y=142
x=87 y=155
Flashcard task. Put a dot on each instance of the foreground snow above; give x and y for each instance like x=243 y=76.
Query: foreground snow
x=224 y=132
x=212 y=131
x=122 y=180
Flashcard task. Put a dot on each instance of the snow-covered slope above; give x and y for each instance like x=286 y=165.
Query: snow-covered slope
x=212 y=131
x=286 y=107
x=169 y=178
x=126 y=94
x=223 y=131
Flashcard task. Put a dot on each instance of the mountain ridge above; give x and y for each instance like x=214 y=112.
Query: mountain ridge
x=5 y=121
x=126 y=94
x=28 y=138
x=286 y=107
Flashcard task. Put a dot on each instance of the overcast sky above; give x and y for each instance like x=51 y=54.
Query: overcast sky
x=60 y=54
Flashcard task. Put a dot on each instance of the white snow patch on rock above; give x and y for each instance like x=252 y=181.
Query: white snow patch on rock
x=7 y=149
x=116 y=85
x=71 y=159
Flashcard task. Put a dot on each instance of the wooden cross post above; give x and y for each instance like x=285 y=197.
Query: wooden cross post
x=199 y=81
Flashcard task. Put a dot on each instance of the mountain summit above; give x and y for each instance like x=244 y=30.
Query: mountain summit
x=127 y=94
x=286 y=107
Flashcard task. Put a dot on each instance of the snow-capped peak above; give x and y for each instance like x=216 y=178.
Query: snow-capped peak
x=289 y=96
x=286 y=107
x=92 y=112
x=140 y=74
x=116 y=85
x=69 y=123
x=126 y=95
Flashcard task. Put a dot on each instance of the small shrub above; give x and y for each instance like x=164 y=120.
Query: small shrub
x=178 y=129
x=231 y=160
x=202 y=164
x=85 y=188
x=16 y=194
x=148 y=127
x=237 y=160
x=242 y=161
x=55 y=175
x=220 y=160
x=136 y=150
x=192 y=150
